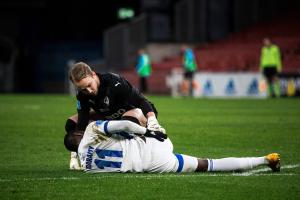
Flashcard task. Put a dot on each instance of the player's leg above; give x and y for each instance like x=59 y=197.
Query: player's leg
x=233 y=164
x=185 y=85
x=193 y=164
x=135 y=115
x=268 y=75
x=186 y=163
x=191 y=79
x=144 y=88
x=276 y=83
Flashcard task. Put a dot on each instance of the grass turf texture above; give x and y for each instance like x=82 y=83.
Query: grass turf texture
x=34 y=163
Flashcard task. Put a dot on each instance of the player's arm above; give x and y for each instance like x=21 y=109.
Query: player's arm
x=115 y=126
x=123 y=90
x=83 y=111
x=134 y=97
x=129 y=94
x=141 y=102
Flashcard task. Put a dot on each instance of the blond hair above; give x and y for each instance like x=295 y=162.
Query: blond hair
x=79 y=71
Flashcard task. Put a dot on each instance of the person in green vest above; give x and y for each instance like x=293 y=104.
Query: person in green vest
x=190 y=66
x=270 y=66
x=143 y=69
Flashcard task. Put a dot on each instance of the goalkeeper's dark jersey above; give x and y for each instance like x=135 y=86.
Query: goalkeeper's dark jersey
x=115 y=96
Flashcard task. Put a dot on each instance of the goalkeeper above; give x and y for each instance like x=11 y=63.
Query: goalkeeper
x=105 y=96
x=124 y=146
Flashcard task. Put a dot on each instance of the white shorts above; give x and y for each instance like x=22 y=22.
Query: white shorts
x=155 y=156
x=161 y=157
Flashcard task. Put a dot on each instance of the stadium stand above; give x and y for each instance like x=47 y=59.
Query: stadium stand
x=240 y=52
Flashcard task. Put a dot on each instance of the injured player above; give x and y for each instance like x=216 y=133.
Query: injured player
x=125 y=146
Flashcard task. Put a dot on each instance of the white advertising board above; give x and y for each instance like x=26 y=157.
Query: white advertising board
x=225 y=85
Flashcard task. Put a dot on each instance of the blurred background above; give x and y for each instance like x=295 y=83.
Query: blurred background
x=40 y=39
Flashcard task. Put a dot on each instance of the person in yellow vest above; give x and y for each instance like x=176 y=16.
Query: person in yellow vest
x=143 y=69
x=270 y=66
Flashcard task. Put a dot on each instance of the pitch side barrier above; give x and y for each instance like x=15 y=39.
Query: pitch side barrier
x=230 y=85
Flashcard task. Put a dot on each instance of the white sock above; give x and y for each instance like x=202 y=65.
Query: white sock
x=231 y=164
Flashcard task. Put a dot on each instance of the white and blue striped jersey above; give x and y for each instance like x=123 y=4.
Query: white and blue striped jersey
x=102 y=149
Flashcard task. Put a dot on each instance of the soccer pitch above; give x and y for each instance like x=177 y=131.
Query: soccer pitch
x=34 y=163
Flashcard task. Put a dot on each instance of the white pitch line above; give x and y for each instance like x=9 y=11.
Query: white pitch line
x=164 y=176
x=32 y=107
x=256 y=171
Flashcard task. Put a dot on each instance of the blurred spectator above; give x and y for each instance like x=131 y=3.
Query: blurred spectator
x=270 y=66
x=190 y=66
x=143 y=69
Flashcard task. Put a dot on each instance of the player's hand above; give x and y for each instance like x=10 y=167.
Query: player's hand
x=156 y=134
x=153 y=125
x=74 y=162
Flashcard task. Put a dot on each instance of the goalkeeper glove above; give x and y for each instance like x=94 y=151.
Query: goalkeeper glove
x=74 y=163
x=156 y=134
x=153 y=125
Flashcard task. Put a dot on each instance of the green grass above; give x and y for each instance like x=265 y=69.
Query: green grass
x=34 y=163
